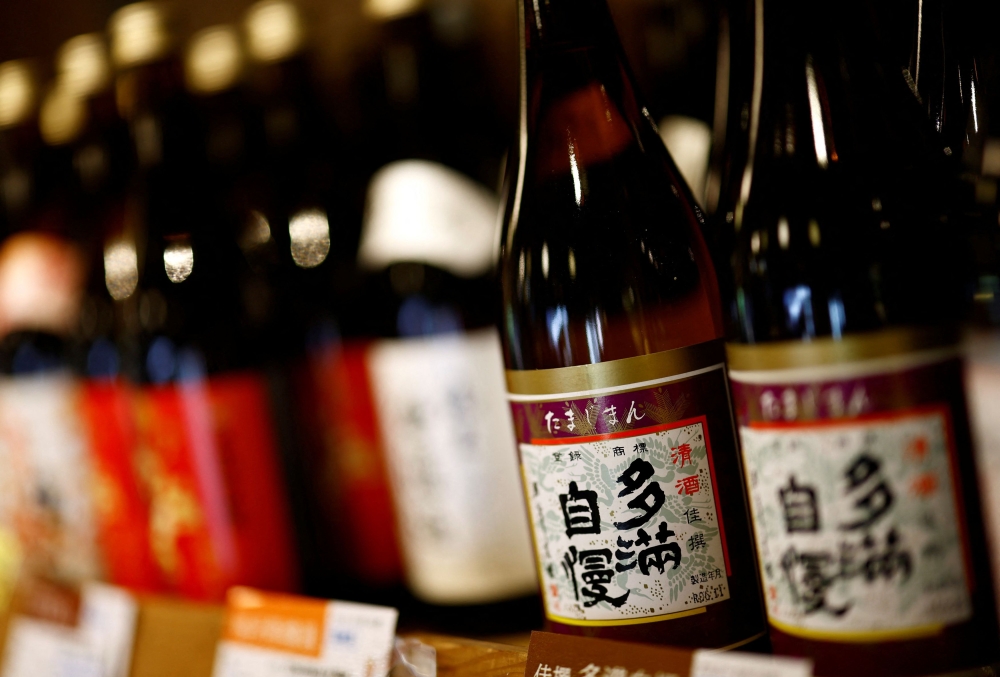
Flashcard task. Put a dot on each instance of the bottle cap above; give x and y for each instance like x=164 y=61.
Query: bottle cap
x=121 y=268
x=62 y=115
x=274 y=30
x=40 y=283
x=386 y=10
x=82 y=64
x=214 y=59
x=138 y=34
x=17 y=93
x=309 y=235
x=689 y=142
x=419 y=211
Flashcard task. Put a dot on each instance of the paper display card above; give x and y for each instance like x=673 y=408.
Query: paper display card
x=735 y=664
x=551 y=655
x=61 y=633
x=270 y=635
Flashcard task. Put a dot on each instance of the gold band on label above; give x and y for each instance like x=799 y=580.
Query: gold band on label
x=616 y=372
x=823 y=351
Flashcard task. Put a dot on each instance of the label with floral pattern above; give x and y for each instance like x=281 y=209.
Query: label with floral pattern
x=852 y=475
x=623 y=496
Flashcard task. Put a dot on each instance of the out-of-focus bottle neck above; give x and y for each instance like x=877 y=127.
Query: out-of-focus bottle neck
x=563 y=25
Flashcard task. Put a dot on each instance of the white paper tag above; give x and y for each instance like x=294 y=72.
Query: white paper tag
x=735 y=664
x=269 y=635
x=99 y=646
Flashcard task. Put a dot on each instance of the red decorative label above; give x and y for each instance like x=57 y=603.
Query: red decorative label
x=218 y=512
x=120 y=498
x=351 y=472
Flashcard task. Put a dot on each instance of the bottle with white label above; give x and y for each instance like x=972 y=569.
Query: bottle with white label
x=436 y=379
x=47 y=511
x=615 y=367
x=941 y=48
x=846 y=379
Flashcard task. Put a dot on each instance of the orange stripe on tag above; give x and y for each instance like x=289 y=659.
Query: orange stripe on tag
x=48 y=600
x=270 y=621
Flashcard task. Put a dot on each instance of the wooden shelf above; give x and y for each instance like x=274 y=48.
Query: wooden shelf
x=175 y=638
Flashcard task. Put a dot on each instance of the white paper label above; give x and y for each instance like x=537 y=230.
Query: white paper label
x=856 y=524
x=346 y=640
x=45 y=476
x=100 y=645
x=735 y=664
x=453 y=465
x=627 y=527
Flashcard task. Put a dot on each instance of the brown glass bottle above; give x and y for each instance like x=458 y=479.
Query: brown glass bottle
x=611 y=327
x=845 y=371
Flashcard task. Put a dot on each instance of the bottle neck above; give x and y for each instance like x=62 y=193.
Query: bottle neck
x=576 y=80
x=821 y=75
x=566 y=25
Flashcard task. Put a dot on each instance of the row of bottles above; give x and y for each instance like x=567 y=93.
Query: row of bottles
x=202 y=385
x=240 y=348
x=753 y=424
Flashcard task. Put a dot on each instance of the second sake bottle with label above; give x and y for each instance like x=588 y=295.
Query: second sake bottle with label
x=845 y=375
x=612 y=328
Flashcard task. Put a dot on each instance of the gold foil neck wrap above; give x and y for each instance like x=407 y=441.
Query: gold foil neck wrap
x=624 y=372
x=824 y=351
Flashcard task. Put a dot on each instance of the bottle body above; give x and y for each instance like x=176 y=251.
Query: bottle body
x=611 y=323
x=205 y=436
x=846 y=382
x=432 y=361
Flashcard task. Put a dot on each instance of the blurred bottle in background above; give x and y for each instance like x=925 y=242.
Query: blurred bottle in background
x=436 y=378
x=423 y=88
x=938 y=49
x=848 y=390
x=727 y=180
x=48 y=511
x=303 y=185
x=410 y=395
x=205 y=437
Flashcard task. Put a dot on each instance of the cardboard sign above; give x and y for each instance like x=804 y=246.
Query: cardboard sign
x=58 y=631
x=273 y=635
x=551 y=655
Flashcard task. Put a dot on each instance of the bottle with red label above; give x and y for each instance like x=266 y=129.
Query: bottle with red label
x=412 y=392
x=294 y=176
x=615 y=367
x=205 y=438
x=846 y=378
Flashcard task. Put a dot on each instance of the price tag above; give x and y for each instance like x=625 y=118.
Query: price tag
x=736 y=664
x=58 y=631
x=269 y=635
x=551 y=655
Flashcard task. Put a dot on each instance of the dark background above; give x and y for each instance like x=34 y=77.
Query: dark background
x=671 y=43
